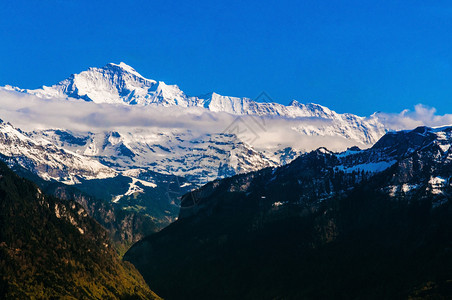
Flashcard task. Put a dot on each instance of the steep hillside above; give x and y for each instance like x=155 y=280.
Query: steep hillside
x=125 y=227
x=50 y=248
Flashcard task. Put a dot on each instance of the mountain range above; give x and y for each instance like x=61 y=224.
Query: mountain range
x=143 y=160
x=121 y=84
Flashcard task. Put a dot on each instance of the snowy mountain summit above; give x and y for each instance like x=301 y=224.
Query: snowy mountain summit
x=114 y=83
x=121 y=84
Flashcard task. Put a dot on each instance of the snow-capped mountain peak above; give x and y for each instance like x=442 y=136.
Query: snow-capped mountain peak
x=120 y=84
x=126 y=68
x=110 y=84
x=113 y=83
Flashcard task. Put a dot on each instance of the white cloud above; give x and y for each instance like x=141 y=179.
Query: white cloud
x=421 y=116
x=29 y=112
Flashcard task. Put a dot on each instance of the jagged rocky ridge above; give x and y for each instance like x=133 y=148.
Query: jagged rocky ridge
x=51 y=248
x=372 y=223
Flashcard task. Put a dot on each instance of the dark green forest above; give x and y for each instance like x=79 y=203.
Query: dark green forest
x=50 y=248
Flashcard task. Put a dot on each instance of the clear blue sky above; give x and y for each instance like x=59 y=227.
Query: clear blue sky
x=352 y=56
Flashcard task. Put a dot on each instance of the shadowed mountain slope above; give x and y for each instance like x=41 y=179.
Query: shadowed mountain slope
x=363 y=224
x=50 y=248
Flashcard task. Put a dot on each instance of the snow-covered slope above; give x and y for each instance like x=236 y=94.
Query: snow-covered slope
x=198 y=158
x=69 y=157
x=47 y=160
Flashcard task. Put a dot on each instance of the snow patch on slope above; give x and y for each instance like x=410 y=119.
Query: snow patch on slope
x=373 y=167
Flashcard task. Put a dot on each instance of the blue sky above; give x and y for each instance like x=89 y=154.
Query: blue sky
x=352 y=56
